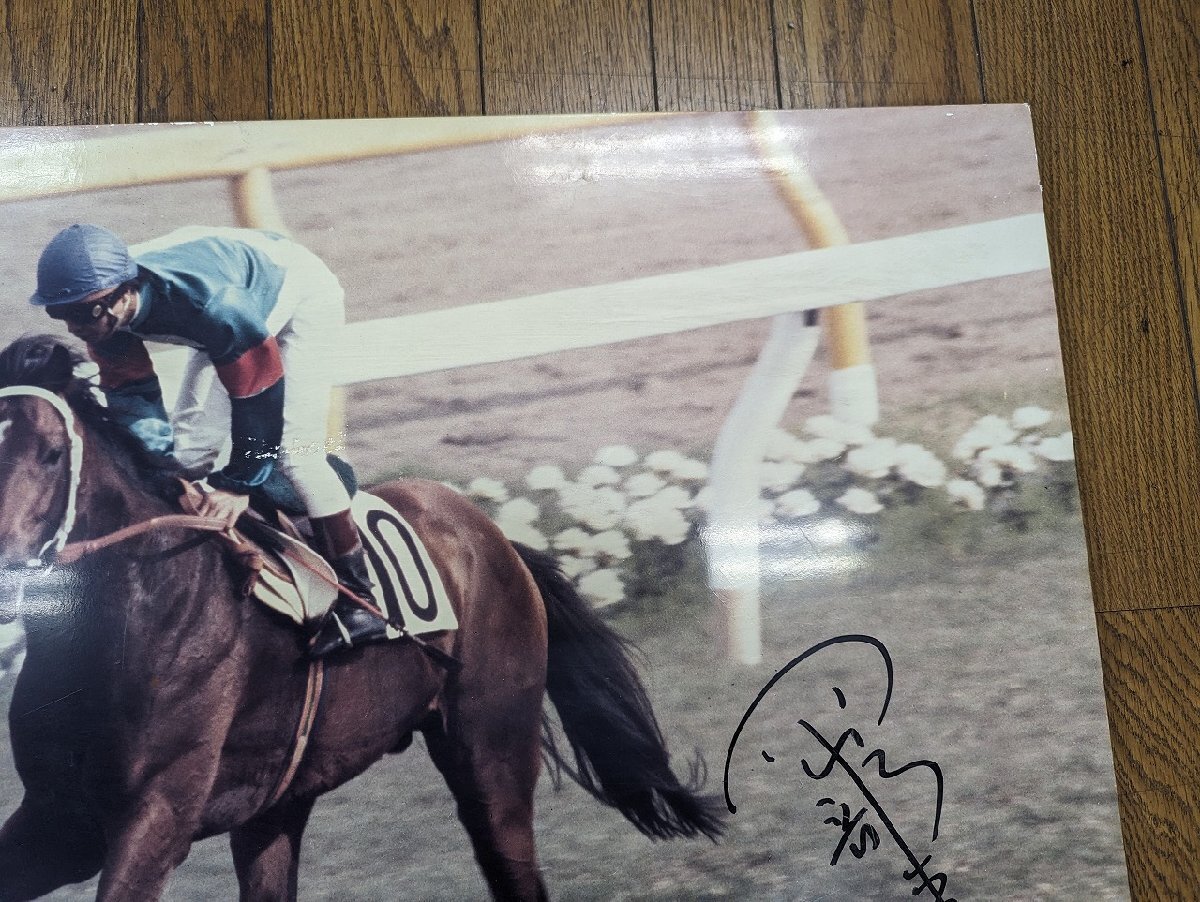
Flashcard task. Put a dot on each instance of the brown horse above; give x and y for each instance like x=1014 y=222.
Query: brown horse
x=156 y=706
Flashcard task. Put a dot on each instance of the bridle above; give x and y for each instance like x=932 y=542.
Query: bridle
x=57 y=549
x=59 y=540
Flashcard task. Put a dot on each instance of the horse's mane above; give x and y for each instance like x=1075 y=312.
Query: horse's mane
x=46 y=361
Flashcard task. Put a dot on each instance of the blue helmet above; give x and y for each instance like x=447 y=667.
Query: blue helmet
x=79 y=261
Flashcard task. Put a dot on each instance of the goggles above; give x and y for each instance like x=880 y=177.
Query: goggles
x=80 y=314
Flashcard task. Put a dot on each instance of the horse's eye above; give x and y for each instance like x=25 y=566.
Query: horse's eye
x=50 y=457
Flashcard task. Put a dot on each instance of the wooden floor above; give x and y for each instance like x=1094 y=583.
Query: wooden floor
x=1113 y=85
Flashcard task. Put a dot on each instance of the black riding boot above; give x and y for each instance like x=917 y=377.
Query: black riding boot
x=347 y=625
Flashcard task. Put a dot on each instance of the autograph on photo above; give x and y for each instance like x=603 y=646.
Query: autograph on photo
x=857 y=830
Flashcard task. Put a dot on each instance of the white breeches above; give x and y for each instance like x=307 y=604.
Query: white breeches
x=307 y=323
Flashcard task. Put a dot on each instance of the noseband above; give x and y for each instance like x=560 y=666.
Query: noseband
x=59 y=539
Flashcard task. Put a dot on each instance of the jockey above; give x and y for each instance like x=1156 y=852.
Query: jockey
x=258 y=311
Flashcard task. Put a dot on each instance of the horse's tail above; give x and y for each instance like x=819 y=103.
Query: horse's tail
x=620 y=753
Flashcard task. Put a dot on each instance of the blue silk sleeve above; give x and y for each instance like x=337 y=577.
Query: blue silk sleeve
x=256 y=424
x=138 y=406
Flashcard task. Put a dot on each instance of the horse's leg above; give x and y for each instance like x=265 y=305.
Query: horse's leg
x=42 y=850
x=266 y=852
x=490 y=759
x=148 y=843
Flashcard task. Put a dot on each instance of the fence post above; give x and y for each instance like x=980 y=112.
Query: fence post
x=733 y=539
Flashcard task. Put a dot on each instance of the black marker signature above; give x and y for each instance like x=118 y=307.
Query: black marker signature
x=856 y=834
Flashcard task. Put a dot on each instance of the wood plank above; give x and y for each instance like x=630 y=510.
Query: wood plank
x=374 y=58
x=1130 y=389
x=1171 y=29
x=1152 y=695
x=851 y=53
x=565 y=56
x=1124 y=346
x=203 y=60
x=1168 y=867
x=714 y=55
x=49 y=82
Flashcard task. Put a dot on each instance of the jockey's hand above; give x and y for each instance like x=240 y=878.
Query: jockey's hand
x=227 y=506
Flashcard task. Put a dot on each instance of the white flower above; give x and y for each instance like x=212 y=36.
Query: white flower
x=598 y=508
x=989 y=474
x=573 y=566
x=598 y=474
x=860 y=501
x=603 y=587
x=609 y=544
x=967 y=493
x=524 y=532
x=546 y=476
x=673 y=496
x=488 y=489
x=1030 y=417
x=873 y=460
x=649 y=520
x=828 y=426
x=663 y=461
x=1058 y=447
x=919 y=465
x=643 y=484
x=518 y=510
x=988 y=432
x=824 y=449
x=690 y=470
x=572 y=539
x=797 y=503
x=779 y=475
x=616 y=456
x=1013 y=456
x=816 y=450
x=782 y=445
x=599 y=518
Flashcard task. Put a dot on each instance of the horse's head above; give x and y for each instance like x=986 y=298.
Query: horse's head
x=38 y=457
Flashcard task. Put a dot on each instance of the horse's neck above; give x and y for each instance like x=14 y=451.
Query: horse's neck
x=108 y=499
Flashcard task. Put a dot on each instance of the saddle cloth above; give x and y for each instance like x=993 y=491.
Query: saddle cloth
x=408 y=586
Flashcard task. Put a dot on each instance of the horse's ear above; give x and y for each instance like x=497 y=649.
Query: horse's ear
x=59 y=368
x=41 y=360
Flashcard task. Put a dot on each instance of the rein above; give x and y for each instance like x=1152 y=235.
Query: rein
x=64 y=552
x=73 y=551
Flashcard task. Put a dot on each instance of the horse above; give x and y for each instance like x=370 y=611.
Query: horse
x=158 y=706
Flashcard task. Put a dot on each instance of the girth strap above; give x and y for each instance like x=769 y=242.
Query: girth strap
x=308 y=717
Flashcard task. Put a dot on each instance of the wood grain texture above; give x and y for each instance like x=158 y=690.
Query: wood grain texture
x=374 y=58
x=203 y=60
x=561 y=56
x=852 y=53
x=713 y=55
x=1153 y=690
x=1130 y=388
x=70 y=62
x=1123 y=339
x=1171 y=31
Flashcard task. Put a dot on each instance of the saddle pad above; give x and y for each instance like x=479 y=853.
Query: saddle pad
x=407 y=584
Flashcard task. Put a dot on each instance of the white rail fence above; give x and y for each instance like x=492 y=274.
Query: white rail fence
x=835 y=275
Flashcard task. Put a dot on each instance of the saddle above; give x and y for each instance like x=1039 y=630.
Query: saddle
x=289 y=577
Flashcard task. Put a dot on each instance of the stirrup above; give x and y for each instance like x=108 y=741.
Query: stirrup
x=347 y=627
